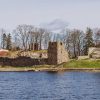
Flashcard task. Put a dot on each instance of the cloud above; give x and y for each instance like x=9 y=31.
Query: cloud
x=55 y=25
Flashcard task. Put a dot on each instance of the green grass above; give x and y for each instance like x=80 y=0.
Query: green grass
x=82 y=64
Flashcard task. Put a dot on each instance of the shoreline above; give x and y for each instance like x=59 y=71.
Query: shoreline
x=73 y=65
x=32 y=69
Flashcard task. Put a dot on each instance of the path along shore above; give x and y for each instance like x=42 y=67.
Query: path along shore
x=26 y=69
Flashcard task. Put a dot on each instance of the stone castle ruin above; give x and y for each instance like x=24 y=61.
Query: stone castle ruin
x=34 y=46
x=94 y=53
x=56 y=54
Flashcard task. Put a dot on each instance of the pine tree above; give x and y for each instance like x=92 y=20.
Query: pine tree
x=4 y=40
x=9 y=43
x=88 y=40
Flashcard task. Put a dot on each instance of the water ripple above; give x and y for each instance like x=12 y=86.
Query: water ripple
x=47 y=86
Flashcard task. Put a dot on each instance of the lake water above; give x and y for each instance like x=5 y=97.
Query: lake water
x=49 y=86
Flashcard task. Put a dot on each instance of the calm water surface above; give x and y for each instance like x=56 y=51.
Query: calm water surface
x=49 y=86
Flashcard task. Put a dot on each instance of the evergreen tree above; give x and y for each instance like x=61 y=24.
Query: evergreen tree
x=88 y=40
x=4 y=40
x=9 y=44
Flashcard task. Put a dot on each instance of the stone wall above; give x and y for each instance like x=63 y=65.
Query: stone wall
x=83 y=57
x=94 y=53
x=21 y=61
x=32 y=54
x=52 y=53
x=57 y=53
x=34 y=46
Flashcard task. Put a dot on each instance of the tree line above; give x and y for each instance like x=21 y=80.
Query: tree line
x=76 y=41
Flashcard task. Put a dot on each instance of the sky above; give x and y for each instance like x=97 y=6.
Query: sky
x=78 y=13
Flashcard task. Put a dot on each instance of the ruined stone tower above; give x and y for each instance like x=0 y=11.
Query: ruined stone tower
x=34 y=46
x=57 y=53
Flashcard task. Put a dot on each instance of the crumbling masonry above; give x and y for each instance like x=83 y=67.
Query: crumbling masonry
x=57 y=53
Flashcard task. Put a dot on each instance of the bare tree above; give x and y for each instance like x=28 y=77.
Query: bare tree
x=41 y=33
x=97 y=37
x=67 y=40
x=73 y=41
x=46 y=38
x=23 y=32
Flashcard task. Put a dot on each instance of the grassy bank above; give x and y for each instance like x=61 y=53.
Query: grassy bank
x=72 y=65
x=82 y=64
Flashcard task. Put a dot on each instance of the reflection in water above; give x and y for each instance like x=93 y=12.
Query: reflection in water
x=49 y=86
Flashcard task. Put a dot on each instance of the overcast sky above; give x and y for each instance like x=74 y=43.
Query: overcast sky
x=78 y=13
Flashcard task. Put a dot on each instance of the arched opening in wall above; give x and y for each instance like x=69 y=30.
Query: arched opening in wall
x=60 y=43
